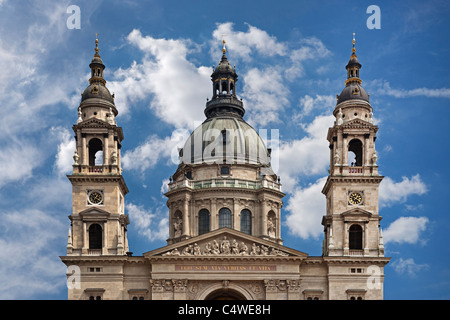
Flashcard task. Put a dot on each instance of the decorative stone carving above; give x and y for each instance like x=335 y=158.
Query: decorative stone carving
x=114 y=158
x=293 y=285
x=226 y=247
x=80 y=118
x=271 y=228
x=76 y=157
x=374 y=158
x=179 y=285
x=339 y=118
x=178 y=226
x=337 y=159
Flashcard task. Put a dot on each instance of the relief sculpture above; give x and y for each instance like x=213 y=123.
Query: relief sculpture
x=226 y=248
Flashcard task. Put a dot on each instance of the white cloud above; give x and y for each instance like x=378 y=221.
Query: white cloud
x=307 y=156
x=241 y=43
x=153 y=226
x=311 y=48
x=392 y=192
x=305 y=209
x=383 y=87
x=177 y=88
x=26 y=245
x=17 y=161
x=66 y=149
x=406 y=230
x=265 y=95
x=319 y=103
x=154 y=150
x=408 y=267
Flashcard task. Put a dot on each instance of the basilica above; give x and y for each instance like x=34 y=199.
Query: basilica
x=225 y=208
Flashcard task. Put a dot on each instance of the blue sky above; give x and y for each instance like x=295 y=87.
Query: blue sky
x=290 y=57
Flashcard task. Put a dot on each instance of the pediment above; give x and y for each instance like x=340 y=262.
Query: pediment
x=357 y=123
x=225 y=242
x=94 y=211
x=356 y=212
x=94 y=122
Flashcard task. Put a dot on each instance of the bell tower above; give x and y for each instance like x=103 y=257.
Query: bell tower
x=352 y=222
x=98 y=221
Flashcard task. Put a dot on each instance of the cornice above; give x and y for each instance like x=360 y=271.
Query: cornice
x=99 y=178
x=350 y=179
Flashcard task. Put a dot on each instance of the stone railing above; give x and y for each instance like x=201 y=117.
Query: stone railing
x=225 y=183
x=95 y=252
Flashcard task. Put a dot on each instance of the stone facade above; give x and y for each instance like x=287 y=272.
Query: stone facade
x=224 y=209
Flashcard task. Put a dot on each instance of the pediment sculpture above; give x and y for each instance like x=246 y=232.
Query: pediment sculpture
x=226 y=247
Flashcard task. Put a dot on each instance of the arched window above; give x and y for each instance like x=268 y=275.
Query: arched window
x=246 y=221
x=203 y=221
x=95 y=152
x=95 y=237
x=224 y=87
x=224 y=218
x=355 y=237
x=355 y=153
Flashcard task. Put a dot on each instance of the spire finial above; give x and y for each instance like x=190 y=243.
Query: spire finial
x=353 y=49
x=96 y=43
x=224 y=50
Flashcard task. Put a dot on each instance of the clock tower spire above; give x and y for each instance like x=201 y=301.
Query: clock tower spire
x=98 y=221
x=351 y=223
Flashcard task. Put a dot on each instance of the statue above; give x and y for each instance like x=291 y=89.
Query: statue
x=76 y=157
x=255 y=250
x=177 y=225
x=208 y=249
x=234 y=247
x=374 y=158
x=339 y=119
x=337 y=159
x=197 y=251
x=114 y=158
x=271 y=228
x=111 y=117
x=225 y=246
x=215 y=248
x=243 y=249
x=80 y=118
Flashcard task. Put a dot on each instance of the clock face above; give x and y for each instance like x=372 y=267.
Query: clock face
x=95 y=197
x=355 y=198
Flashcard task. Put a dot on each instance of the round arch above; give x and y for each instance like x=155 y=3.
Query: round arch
x=219 y=292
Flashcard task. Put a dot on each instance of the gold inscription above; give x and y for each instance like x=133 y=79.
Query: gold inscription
x=236 y=268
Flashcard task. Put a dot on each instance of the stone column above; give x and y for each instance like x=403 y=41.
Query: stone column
x=105 y=150
x=271 y=289
x=346 y=248
x=84 y=248
x=293 y=289
x=213 y=215
x=105 y=238
x=179 y=289
x=345 y=150
x=366 y=238
x=264 y=212
x=186 y=217
x=236 y=215
x=84 y=160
